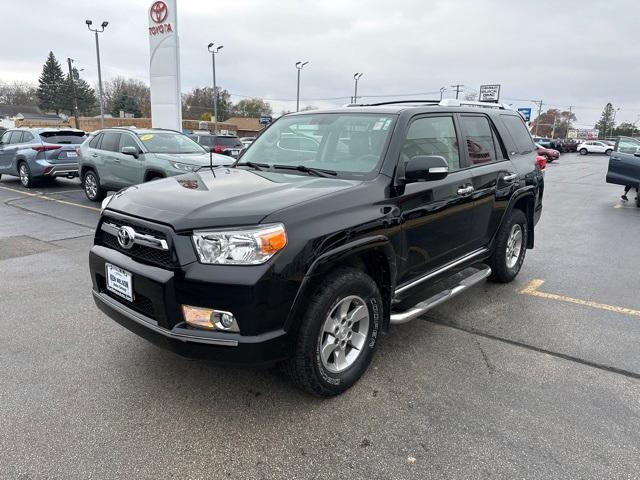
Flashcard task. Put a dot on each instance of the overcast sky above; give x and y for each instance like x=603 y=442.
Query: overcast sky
x=565 y=52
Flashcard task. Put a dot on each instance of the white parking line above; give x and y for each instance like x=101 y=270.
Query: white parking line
x=44 y=197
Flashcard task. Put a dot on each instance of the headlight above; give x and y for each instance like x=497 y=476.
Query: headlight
x=185 y=167
x=105 y=202
x=241 y=246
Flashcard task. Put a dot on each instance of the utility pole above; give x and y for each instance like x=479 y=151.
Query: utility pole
x=299 y=66
x=458 y=89
x=213 y=51
x=96 y=31
x=73 y=89
x=539 y=103
x=442 y=90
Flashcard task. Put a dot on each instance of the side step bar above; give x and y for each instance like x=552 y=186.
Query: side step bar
x=437 y=299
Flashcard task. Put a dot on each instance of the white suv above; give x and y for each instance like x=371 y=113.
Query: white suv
x=593 y=146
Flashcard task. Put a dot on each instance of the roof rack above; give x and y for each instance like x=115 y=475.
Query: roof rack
x=447 y=102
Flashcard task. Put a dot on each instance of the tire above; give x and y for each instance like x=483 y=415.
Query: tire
x=507 y=258
x=583 y=151
x=352 y=290
x=637 y=199
x=608 y=152
x=24 y=173
x=91 y=186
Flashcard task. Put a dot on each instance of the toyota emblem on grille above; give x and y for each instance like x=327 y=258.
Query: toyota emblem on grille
x=126 y=237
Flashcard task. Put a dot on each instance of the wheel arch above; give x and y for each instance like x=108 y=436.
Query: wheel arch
x=523 y=200
x=152 y=173
x=372 y=255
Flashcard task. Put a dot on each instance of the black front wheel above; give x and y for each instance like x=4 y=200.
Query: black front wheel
x=338 y=333
x=509 y=248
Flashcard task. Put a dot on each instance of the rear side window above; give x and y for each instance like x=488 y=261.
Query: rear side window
x=27 y=137
x=110 y=142
x=519 y=133
x=95 y=141
x=481 y=142
x=62 y=137
x=16 y=137
x=432 y=136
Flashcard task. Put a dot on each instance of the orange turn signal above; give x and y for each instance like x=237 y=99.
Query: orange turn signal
x=272 y=240
x=198 y=317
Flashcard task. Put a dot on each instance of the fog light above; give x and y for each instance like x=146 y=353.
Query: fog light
x=210 y=319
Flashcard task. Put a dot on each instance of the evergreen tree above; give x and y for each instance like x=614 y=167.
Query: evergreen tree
x=84 y=94
x=607 y=121
x=50 y=85
x=127 y=104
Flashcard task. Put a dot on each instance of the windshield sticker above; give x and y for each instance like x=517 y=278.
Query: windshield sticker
x=378 y=125
x=146 y=137
x=386 y=124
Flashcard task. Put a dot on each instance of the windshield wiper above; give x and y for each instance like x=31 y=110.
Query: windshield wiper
x=257 y=166
x=318 y=172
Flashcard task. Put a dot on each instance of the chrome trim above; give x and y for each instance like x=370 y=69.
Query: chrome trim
x=153 y=325
x=139 y=238
x=437 y=299
x=440 y=270
x=465 y=190
x=510 y=177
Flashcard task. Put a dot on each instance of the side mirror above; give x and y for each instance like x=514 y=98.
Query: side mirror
x=133 y=151
x=426 y=168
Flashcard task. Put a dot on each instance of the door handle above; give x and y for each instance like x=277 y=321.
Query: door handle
x=465 y=190
x=94 y=155
x=116 y=160
x=510 y=177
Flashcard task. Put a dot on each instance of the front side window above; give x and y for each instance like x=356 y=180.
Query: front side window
x=432 y=136
x=127 y=141
x=169 y=142
x=480 y=140
x=628 y=145
x=351 y=144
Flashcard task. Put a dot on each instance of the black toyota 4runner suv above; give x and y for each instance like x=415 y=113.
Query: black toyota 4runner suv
x=333 y=226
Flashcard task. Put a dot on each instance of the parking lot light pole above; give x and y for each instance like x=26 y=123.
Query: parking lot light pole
x=97 y=31
x=356 y=77
x=299 y=66
x=213 y=50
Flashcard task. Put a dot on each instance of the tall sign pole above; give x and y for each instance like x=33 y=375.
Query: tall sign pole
x=164 y=65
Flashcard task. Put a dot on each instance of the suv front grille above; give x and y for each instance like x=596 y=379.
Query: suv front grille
x=142 y=253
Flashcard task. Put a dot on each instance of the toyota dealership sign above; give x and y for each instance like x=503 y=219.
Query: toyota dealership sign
x=164 y=65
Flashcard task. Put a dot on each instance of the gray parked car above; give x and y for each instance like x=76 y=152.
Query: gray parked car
x=37 y=153
x=115 y=158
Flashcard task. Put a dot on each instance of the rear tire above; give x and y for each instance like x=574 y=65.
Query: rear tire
x=91 y=186
x=608 y=152
x=583 y=151
x=509 y=248
x=338 y=334
x=24 y=173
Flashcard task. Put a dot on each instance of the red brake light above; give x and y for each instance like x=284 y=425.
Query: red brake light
x=44 y=148
x=541 y=162
x=218 y=149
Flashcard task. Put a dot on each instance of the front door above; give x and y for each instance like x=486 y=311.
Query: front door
x=127 y=168
x=624 y=163
x=436 y=216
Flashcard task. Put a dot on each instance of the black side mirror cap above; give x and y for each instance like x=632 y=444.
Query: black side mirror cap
x=133 y=151
x=426 y=168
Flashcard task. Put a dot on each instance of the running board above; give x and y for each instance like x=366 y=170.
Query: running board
x=437 y=299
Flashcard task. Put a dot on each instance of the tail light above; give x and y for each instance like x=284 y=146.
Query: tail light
x=78 y=151
x=218 y=149
x=541 y=162
x=45 y=148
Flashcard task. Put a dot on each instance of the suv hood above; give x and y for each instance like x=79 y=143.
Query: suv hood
x=195 y=158
x=222 y=197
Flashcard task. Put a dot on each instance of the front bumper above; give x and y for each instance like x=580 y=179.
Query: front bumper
x=154 y=315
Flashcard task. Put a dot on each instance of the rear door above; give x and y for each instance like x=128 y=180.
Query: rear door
x=624 y=163
x=436 y=216
x=492 y=175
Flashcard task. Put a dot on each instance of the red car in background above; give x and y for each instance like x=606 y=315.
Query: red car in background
x=549 y=153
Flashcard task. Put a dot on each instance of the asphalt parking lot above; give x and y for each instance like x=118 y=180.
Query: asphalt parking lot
x=536 y=379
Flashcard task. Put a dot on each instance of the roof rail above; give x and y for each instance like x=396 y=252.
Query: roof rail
x=454 y=102
x=394 y=102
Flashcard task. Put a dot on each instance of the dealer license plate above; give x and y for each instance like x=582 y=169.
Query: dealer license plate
x=72 y=155
x=119 y=281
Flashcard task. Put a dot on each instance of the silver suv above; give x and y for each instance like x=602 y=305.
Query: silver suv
x=37 y=153
x=115 y=158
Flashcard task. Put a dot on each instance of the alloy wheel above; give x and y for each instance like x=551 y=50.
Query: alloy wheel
x=514 y=245
x=90 y=186
x=24 y=175
x=344 y=334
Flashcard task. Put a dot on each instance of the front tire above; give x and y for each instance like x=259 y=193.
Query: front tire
x=91 y=186
x=608 y=152
x=583 y=151
x=509 y=248
x=338 y=334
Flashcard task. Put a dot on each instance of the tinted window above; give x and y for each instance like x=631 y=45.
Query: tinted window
x=16 y=136
x=479 y=138
x=628 y=145
x=167 y=142
x=27 y=137
x=95 y=141
x=63 y=137
x=110 y=141
x=206 y=140
x=228 y=141
x=5 y=138
x=432 y=136
x=128 y=141
x=519 y=133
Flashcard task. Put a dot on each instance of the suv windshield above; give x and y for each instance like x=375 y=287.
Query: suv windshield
x=344 y=143
x=169 y=142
